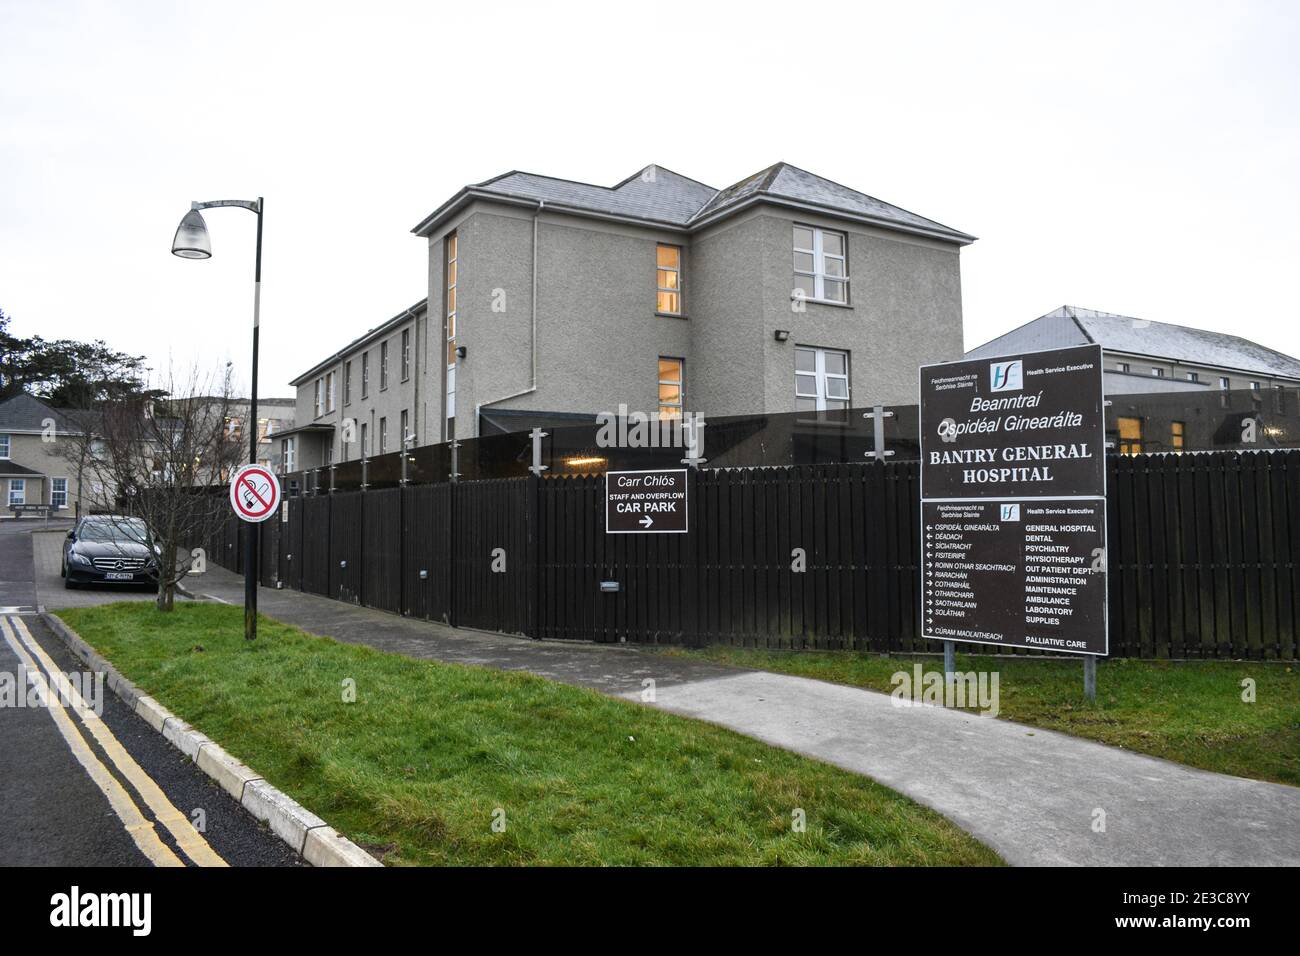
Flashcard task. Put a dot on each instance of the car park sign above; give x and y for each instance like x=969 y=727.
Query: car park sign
x=254 y=493
x=646 y=502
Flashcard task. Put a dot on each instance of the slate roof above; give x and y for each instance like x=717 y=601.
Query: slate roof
x=1123 y=333
x=24 y=413
x=659 y=196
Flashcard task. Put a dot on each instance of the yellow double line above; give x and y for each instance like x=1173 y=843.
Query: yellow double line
x=140 y=829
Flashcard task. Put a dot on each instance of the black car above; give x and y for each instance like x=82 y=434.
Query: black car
x=109 y=549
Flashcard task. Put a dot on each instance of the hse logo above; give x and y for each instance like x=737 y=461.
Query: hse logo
x=1006 y=376
x=1009 y=512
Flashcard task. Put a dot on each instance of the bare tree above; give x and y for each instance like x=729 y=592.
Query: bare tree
x=163 y=461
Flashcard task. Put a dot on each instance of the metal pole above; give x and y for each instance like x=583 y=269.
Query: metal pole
x=949 y=661
x=1090 y=676
x=250 y=547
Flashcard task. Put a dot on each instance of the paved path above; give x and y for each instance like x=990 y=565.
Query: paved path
x=97 y=786
x=1033 y=795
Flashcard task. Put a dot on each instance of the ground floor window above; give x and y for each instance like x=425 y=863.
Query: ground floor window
x=59 y=492
x=288 y=454
x=821 y=379
x=670 y=387
x=1130 y=436
x=1177 y=435
x=17 y=491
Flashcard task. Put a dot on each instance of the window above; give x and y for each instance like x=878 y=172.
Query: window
x=821 y=380
x=383 y=365
x=404 y=437
x=668 y=261
x=267 y=427
x=406 y=354
x=329 y=391
x=383 y=435
x=329 y=454
x=234 y=429
x=1254 y=386
x=347 y=383
x=1124 y=367
x=4 y=446
x=451 y=279
x=365 y=374
x=1130 y=436
x=670 y=387
x=1225 y=383
x=17 y=491
x=1177 y=432
x=365 y=433
x=1193 y=376
x=318 y=403
x=820 y=266
x=288 y=458
x=1158 y=372
x=59 y=492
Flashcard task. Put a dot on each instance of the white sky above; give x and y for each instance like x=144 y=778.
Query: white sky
x=1140 y=158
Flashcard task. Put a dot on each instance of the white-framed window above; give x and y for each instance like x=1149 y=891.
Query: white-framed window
x=1158 y=372
x=288 y=453
x=452 y=274
x=59 y=492
x=347 y=383
x=4 y=446
x=365 y=436
x=17 y=491
x=1254 y=386
x=1123 y=366
x=668 y=272
x=234 y=428
x=383 y=365
x=821 y=379
x=365 y=374
x=403 y=438
x=383 y=435
x=406 y=354
x=318 y=401
x=1225 y=382
x=329 y=391
x=671 y=386
x=1193 y=376
x=820 y=264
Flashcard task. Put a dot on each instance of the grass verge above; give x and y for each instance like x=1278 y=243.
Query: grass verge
x=430 y=754
x=1190 y=712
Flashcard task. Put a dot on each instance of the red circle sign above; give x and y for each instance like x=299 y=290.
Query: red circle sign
x=254 y=493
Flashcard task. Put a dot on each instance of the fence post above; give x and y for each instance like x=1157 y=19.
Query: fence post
x=533 y=555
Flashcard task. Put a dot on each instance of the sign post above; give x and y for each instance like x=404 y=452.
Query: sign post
x=1013 y=502
x=254 y=496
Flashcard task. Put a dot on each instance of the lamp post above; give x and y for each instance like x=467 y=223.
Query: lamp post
x=192 y=242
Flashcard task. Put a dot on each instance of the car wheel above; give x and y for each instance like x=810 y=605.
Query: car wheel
x=69 y=584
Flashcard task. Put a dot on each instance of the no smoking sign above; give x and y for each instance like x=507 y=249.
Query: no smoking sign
x=254 y=493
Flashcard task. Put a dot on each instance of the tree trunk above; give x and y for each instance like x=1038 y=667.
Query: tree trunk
x=167 y=578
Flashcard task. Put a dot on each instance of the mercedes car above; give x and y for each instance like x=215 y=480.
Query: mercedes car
x=109 y=549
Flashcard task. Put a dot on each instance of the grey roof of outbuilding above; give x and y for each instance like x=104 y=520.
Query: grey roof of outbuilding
x=659 y=196
x=25 y=413
x=1123 y=333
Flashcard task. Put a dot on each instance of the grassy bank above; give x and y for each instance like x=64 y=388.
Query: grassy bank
x=1189 y=712
x=418 y=766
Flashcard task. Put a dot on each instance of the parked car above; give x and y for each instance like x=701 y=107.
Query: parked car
x=109 y=549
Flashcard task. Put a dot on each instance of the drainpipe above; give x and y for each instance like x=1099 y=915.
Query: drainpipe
x=541 y=203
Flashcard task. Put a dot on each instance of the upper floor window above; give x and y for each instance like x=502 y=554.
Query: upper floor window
x=1123 y=366
x=365 y=374
x=1130 y=436
x=318 y=402
x=404 y=438
x=669 y=277
x=670 y=387
x=1193 y=376
x=406 y=354
x=1158 y=372
x=4 y=446
x=383 y=366
x=383 y=435
x=234 y=429
x=820 y=265
x=1254 y=386
x=59 y=492
x=347 y=384
x=1177 y=435
x=1224 y=382
x=452 y=272
x=329 y=391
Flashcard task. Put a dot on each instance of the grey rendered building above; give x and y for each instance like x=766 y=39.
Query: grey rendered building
x=551 y=299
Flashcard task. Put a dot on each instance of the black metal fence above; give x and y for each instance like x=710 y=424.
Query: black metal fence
x=1204 y=557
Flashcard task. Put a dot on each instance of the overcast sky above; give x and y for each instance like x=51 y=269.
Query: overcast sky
x=1140 y=158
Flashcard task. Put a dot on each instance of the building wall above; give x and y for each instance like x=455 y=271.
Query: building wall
x=47 y=458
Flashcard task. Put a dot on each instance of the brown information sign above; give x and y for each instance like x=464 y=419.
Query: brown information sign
x=646 y=502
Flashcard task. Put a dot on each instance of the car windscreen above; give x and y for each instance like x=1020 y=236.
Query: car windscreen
x=117 y=532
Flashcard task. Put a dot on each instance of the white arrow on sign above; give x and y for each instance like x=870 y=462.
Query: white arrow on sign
x=646 y=522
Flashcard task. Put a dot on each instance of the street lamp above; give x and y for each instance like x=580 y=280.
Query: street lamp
x=192 y=242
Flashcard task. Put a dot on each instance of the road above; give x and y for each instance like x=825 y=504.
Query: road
x=83 y=780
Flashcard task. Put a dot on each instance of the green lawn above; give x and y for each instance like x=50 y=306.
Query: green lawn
x=416 y=767
x=1189 y=712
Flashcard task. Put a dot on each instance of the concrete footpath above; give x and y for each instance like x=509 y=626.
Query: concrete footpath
x=1035 y=796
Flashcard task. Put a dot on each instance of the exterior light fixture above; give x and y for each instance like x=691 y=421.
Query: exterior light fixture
x=781 y=335
x=460 y=351
x=192 y=241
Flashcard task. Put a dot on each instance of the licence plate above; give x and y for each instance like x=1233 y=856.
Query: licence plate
x=118 y=575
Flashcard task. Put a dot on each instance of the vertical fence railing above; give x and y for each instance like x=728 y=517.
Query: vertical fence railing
x=1203 y=554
